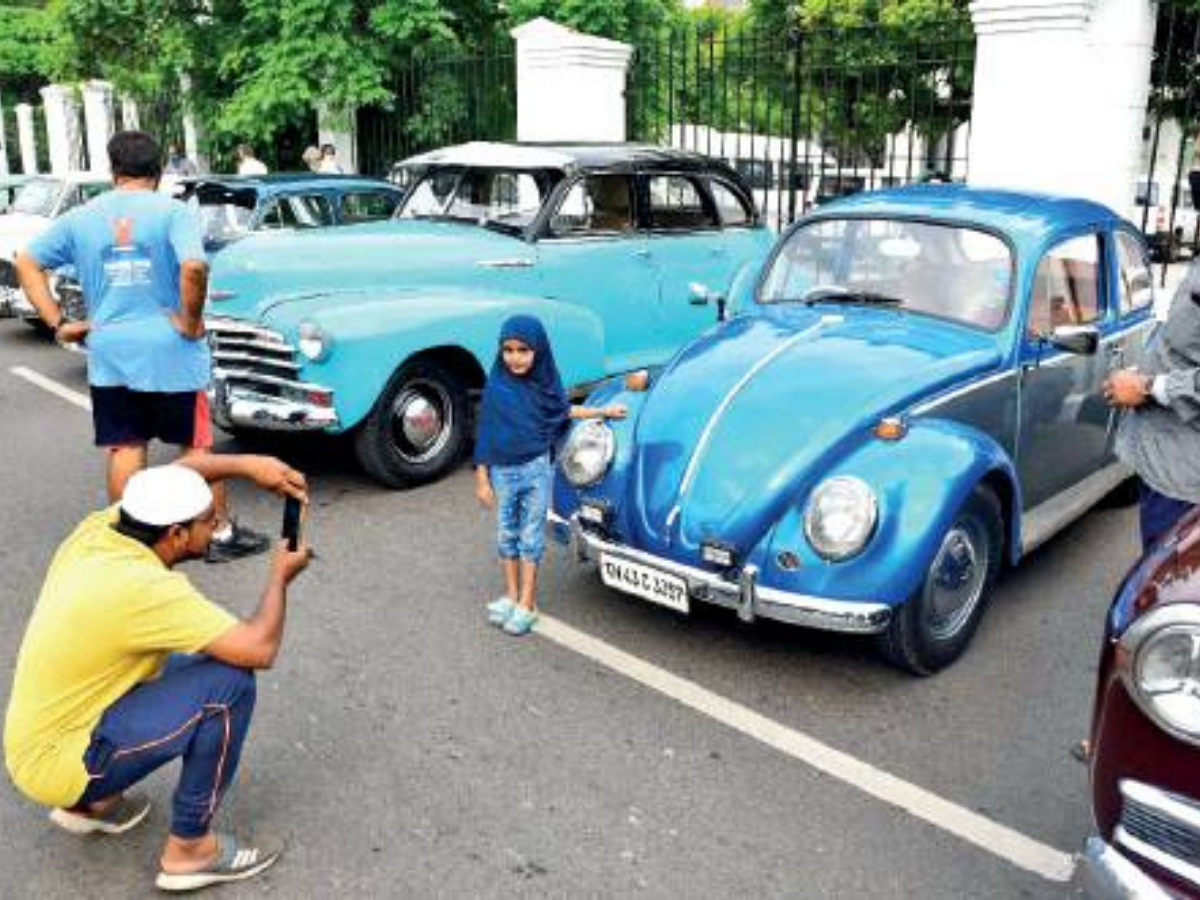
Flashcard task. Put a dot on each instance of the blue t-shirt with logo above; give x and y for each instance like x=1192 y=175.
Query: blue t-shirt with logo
x=127 y=246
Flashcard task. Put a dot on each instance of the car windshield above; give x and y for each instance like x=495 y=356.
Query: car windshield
x=509 y=199
x=38 y=197
x=949 y=271
x=224 y=213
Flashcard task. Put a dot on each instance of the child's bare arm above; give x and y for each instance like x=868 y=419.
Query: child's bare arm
x=483 y=488
x=614 y=411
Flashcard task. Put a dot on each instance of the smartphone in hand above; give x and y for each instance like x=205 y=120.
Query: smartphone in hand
x=293 y=514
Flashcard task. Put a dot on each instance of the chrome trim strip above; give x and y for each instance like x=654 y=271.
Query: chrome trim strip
x=711 y=425
x=226 y=375
x=929 y=405
x=1046 y=519
x=1165 y=804
x=746 y=596
x=513 y=263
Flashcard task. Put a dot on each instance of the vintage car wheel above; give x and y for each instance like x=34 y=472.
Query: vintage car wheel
x=934 y=626
x=418 y=427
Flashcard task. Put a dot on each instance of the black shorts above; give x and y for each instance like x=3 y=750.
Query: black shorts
x=126 y=418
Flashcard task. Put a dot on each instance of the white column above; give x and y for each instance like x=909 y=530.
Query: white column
x=129 y=114
x=62 y=128
x=192 y=133
x=570 y=86
x=339 y=129
x=1060 y=95
x=27 y=138
x=98 y=116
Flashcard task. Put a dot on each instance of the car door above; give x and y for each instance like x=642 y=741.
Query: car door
x=1063 y=419
x=685 y=247
x=593 y=254
x=1125 y=347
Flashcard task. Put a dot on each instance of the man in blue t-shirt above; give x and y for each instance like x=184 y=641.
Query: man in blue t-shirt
x=141 y=264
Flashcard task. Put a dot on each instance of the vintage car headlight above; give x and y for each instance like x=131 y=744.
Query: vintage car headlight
x=588 y=452
x=1161 y=668
x=314 y=342
x=840 y=517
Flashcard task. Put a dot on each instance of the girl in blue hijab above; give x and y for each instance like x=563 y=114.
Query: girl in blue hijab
x=523 y=414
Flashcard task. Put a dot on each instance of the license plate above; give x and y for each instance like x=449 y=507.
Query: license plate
x=645 y=582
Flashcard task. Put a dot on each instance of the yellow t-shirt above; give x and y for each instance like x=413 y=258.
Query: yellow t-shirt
x=109 y=615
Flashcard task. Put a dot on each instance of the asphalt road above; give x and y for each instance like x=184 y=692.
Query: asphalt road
x=404 y=748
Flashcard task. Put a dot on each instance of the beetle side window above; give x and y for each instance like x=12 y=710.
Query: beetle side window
x=598 y=204
x=1066 y=287
x=1134 y=281
x=367 y=206
x=730 y=206
x=305 y=211
x=676 y=204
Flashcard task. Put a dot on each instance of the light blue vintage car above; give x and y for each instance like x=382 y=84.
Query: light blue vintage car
x=908 y=397
x=388 y=329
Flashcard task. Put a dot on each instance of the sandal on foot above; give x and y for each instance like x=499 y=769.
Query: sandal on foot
x=233 y=863
x=499 y=610
x=521 y=621
x=118 y=818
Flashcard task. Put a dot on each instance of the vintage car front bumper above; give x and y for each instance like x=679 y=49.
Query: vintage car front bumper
x=240 y=406
x=1105 y=874
x=750 y=599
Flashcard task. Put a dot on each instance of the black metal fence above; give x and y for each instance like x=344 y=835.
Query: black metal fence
x=811 y=114
x=1163 y=197
x=438 y=100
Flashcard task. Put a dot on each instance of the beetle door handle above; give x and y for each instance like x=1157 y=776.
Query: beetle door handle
x=641 y=253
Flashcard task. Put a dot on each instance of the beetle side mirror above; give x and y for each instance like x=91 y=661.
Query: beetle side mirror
x=700 y=295
x=1081 y=339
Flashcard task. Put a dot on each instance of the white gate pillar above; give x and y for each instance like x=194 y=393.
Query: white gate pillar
x=98 y=118
x=129 y=114
x=62 y=128
x=27 y=138
x=3 y=143
x=340 y=129
x=1060 y=95
x=570 y=86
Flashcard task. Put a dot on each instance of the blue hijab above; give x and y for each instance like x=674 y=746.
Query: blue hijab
x=521 y=417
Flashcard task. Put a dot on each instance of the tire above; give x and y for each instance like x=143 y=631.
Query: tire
x=418 y=428
x=933 y=627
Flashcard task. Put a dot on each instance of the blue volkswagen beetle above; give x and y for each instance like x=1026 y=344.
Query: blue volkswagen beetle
x=907 y=397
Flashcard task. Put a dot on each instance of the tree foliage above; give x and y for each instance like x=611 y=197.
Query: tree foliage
x=26 y=47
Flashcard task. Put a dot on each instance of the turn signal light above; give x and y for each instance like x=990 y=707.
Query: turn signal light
x=891 y=428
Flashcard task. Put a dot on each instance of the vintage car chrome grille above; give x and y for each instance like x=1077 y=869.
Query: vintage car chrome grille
x=1162 y=827
x=248 y=354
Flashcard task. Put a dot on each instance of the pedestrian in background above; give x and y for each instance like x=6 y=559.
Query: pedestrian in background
x=248 y=164
x=144 y=275
x=329 y=161
x=523 y=414
x=1159 y=434
x=101 y=695
x=312 y=158
x=178 y=162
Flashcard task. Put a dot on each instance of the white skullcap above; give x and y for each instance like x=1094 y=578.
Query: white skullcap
x=166 y=495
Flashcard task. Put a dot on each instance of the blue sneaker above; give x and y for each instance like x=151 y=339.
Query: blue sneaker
x=499 y=610
x=521 y=620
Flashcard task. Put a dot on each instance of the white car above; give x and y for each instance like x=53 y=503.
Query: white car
x=40 y=201
x=1152 y=211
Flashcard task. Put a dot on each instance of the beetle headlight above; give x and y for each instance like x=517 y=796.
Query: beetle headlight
x=314 y=342
x=1162 y=668
x=588 y=452
x=840 y=517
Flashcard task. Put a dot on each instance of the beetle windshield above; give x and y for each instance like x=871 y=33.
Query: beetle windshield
x=38 y=197
x=508 y=198
x=949 y=271
x=224 y=212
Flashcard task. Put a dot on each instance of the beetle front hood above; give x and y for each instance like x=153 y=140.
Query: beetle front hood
x=745 y=417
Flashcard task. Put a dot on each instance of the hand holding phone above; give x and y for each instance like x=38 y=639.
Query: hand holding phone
x=293 y=518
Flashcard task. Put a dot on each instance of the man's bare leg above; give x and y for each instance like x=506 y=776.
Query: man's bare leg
x=183 y=855
x=122 y=463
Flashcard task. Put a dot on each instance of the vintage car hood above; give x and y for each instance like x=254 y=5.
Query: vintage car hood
x=379 y=255
x=742 y=419
x=17 y=230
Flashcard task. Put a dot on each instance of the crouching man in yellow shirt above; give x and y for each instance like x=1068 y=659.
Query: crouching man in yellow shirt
x=102 y=697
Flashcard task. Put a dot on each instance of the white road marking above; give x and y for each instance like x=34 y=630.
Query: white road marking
x=1006 y=843
x=49 y=384
x=999 y=840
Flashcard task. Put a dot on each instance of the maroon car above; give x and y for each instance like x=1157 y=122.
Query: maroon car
x=1145 y=760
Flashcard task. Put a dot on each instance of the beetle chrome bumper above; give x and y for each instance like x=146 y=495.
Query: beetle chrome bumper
x=750 y=599
x=237 y=406
x=1105 y=874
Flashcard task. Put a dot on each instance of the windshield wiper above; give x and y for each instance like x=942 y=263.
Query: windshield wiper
x=832 y=293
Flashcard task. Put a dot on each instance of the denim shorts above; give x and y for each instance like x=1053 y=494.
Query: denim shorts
x=522 y=500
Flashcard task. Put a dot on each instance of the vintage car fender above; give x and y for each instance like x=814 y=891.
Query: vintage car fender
x=374 y=333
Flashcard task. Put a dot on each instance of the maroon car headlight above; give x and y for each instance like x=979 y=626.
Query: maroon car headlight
x=1160 y=664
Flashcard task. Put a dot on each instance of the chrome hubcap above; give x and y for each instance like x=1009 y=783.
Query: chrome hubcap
x=422 y=417
x=956 y=580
